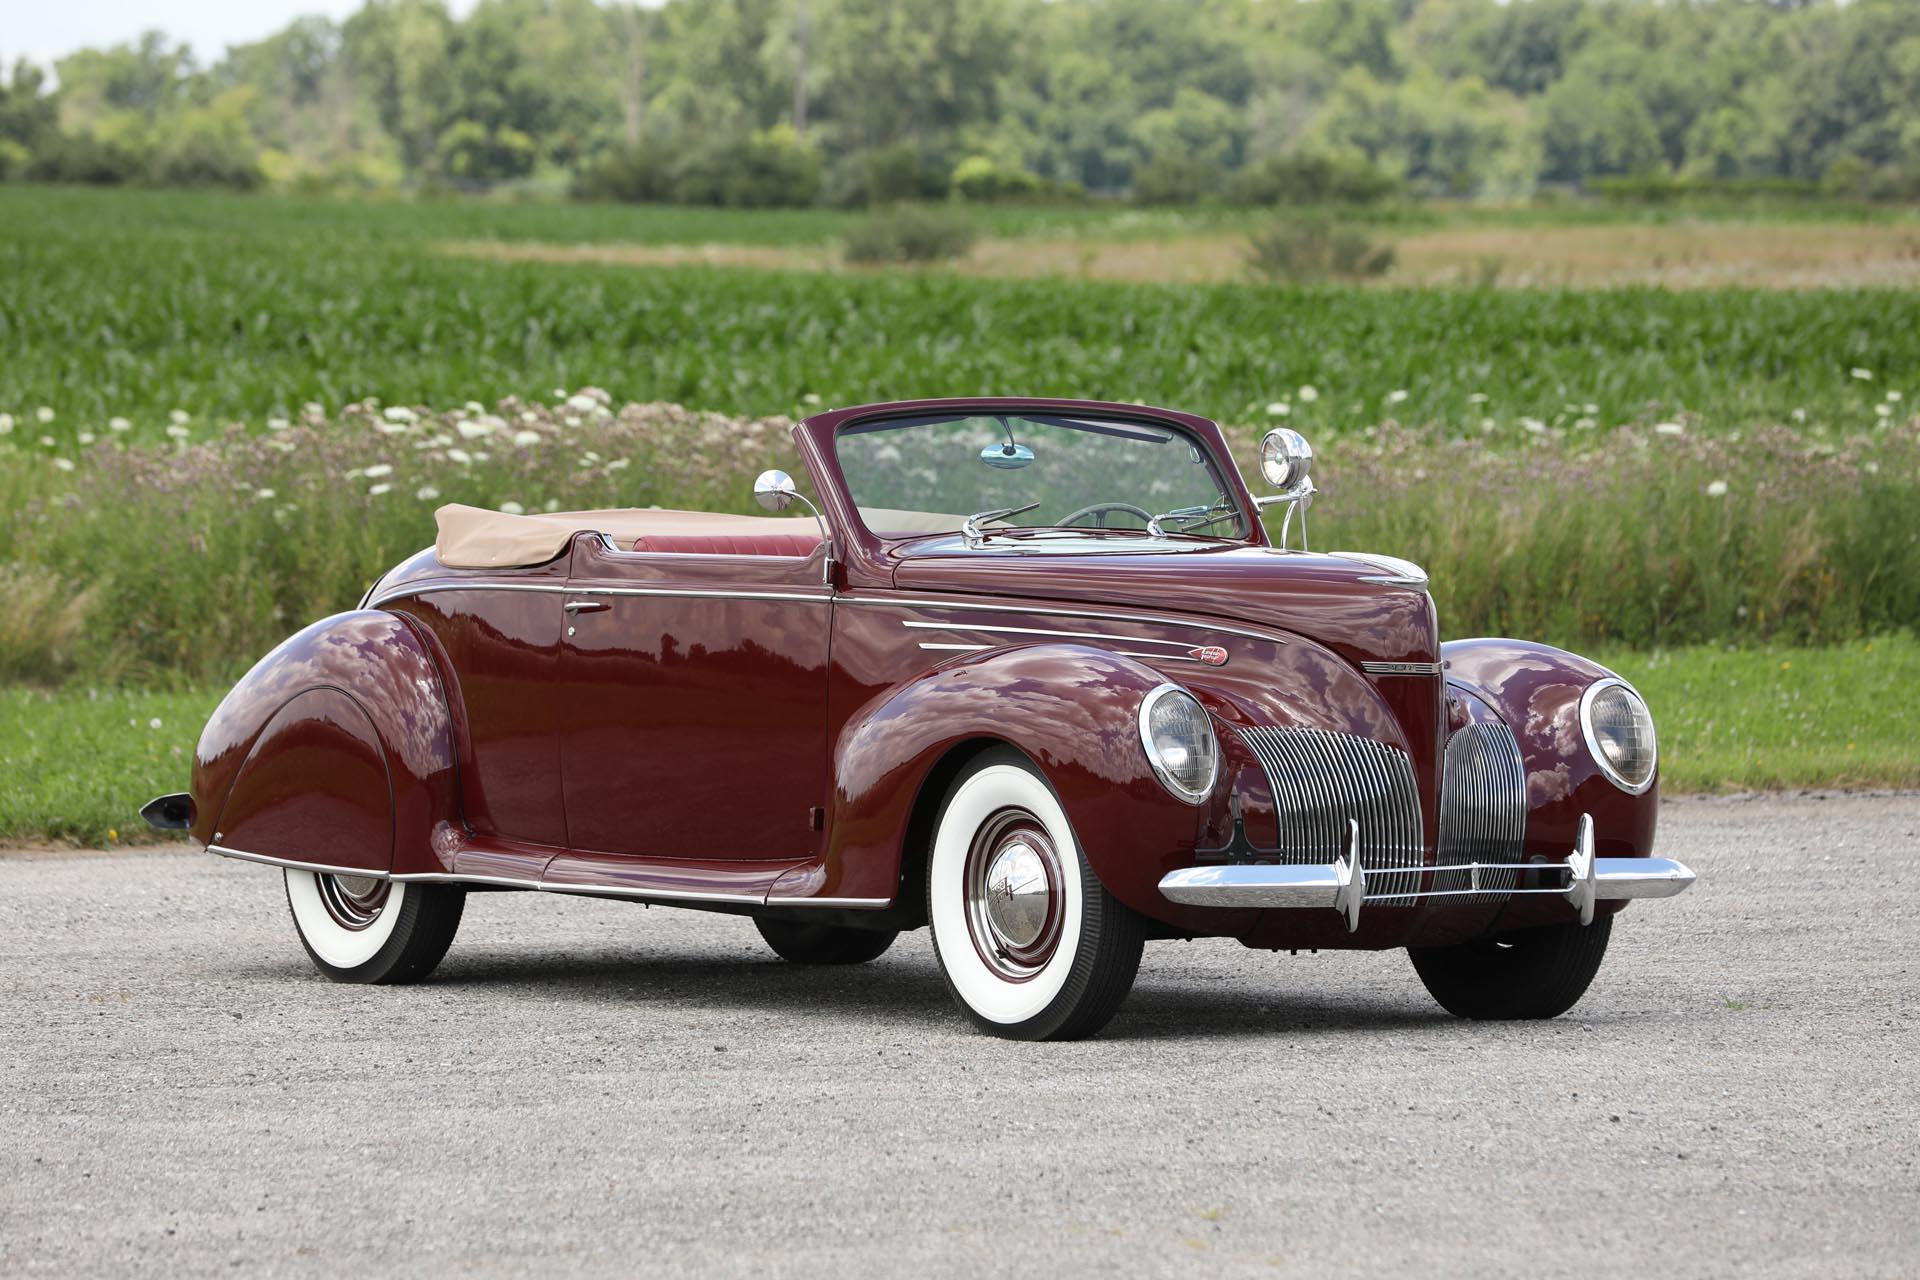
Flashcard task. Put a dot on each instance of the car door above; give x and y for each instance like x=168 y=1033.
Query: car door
x=692 y=692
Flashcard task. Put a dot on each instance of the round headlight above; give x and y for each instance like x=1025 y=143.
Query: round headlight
x=1619 y=733
x=1178 y=737
x=1286 y=459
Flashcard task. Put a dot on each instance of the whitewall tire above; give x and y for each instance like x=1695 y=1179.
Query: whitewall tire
x=1030 y=943
x=364 y=929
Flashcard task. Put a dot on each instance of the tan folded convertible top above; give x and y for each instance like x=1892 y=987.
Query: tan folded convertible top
x=475 y=538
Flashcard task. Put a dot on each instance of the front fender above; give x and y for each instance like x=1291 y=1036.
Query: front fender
x=1536 y=690
x=1073 y=710
x=335 y=749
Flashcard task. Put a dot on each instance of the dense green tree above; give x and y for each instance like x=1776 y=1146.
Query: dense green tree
x=852 y=101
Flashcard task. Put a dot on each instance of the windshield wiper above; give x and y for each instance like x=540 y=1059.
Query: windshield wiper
x=970 y=527
x=1193 y=517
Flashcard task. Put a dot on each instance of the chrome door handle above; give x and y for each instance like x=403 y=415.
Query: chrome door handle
x=584 y=606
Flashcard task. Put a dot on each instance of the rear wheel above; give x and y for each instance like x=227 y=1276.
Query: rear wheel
x=1532 y=973
x=370 y=929
x=1031 y=944
x=799 y=942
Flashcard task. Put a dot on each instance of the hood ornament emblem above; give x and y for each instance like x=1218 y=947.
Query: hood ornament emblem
x=1213 y=655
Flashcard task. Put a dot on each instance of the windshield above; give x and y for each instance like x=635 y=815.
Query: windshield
x=1024 y=471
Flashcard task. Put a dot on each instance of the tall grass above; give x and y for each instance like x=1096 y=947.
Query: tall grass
x=186 y=561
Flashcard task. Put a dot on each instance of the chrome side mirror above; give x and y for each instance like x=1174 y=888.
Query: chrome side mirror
x=1286 y=463
x=775 y=490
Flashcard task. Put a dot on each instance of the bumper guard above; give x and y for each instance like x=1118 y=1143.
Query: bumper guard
x=1342 y=883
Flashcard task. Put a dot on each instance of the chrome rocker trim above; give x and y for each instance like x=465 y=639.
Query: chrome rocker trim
x=1342 y=883
x=663 y=896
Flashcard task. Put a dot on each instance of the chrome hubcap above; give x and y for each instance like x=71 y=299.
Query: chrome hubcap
x=1014 y=896
x=354 y=902
x=1018 y=895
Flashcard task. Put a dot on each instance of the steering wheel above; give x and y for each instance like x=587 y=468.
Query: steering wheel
x=1101 y=509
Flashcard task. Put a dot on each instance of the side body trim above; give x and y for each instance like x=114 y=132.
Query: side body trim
x=590 y=890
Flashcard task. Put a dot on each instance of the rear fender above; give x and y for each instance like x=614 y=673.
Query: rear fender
x=335 y=749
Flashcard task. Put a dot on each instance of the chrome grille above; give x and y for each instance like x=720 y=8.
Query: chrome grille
x=1321 y=780
x=1483 y=807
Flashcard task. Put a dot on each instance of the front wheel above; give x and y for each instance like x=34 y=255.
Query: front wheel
x=368 y=929
x=1031 y=944
x=1531 y=973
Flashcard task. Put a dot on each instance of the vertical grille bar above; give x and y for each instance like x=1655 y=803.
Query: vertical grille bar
x=1483 y=807
x=1321 y=780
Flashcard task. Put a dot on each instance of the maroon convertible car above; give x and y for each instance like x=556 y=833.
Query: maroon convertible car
x=1032 y=673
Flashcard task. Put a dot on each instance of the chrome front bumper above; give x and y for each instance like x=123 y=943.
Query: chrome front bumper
x=1342 y=883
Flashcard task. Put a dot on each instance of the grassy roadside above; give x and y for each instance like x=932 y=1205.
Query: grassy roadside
x=76 y=765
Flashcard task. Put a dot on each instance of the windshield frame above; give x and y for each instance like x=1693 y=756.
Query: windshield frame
x=1082 y=415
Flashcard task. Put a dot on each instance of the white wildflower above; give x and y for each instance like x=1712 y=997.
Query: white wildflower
x=1478 y=397
x=377 y=470
x=552 y=504
x=583 y=404
x=811 y=397
x=86 y=437
x=1871 y=468
x=426 y=493
x=48 y=442
x=1879 y=411
x=1488 y=424
x=1396 y=396
x=179 y=417
x=1308 y=394
x=479 y=427
x=264 y=495
x=6 y=424
x=399 y=413
x=1592 y=409
x=64 y=464
x=119 y=424
x=278 y=424
x=1799 y=415
x=154 y=723
x=1894 y=396
x=1863 y=375
x=1534 y=425
x=526 y=439
x=375 y=491
x=43 y=414
x=178 y=432
x=1279 y=409
x=618 y=464
x=1669 y=429
x=460 y=456
x=513 y=509
x=1717 y=489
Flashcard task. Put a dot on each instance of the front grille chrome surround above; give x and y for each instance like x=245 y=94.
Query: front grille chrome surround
x=1323 y=782
x=1483 y=808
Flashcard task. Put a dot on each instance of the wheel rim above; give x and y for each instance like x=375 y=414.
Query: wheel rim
x=1014 y=896
x=353 y=902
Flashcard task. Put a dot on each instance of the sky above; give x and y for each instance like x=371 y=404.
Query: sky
x=44 y=30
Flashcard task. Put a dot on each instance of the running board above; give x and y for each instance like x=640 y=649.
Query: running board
x=1342 y=883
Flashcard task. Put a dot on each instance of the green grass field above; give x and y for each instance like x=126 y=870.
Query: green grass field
x=133 y=305
x=1517 y=486
x=77 y=765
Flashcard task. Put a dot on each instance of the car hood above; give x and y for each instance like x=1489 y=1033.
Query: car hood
x=1364 y=608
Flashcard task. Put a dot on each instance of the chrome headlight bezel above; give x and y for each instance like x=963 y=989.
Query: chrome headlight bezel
x=1174 y=786
x=1594 y=749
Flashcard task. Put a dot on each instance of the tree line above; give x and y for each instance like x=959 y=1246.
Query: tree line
x=784 y=102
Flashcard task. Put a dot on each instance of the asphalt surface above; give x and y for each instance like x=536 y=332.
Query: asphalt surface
x=591 y=1087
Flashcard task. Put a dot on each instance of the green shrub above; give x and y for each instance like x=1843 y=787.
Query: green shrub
x=979 y=178
x=1310 y=179
x=892 y=174
x=1177 y=179
x=768 y=169
x=1306 y=249
x=910 y=233
x=635 y=173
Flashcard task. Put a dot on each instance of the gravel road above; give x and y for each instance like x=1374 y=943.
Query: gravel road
x=593 y=1087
